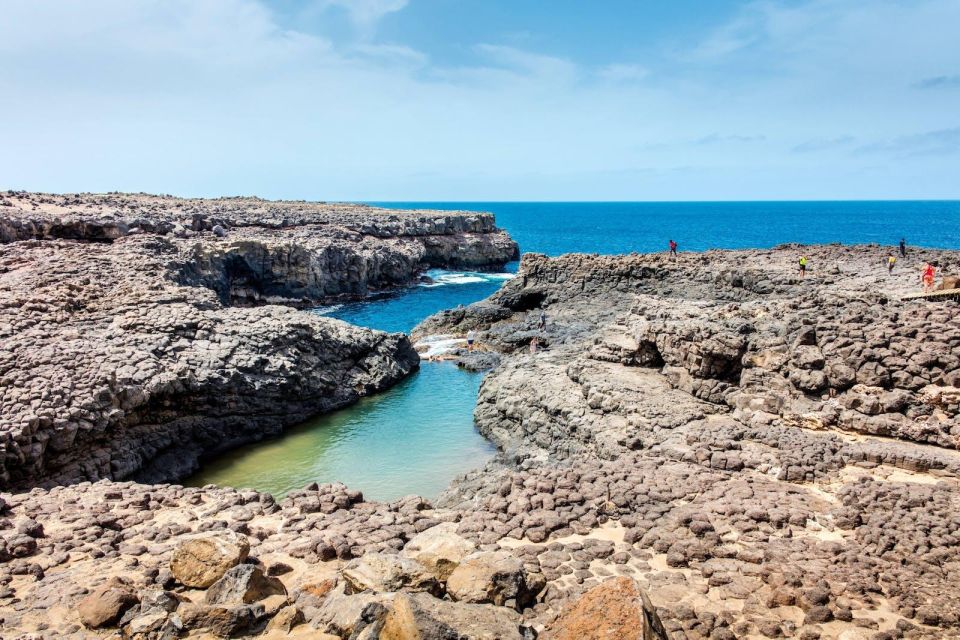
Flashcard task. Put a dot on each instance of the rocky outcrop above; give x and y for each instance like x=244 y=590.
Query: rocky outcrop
x=731 y=422
x=252 y=250
x=112 y=369
x=123 y=352
x=202 y=561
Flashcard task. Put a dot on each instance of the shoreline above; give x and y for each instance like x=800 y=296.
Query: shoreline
x=680 y=427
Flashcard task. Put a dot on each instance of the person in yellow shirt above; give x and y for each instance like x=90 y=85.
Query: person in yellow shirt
x=803 y=266
x=891 y=262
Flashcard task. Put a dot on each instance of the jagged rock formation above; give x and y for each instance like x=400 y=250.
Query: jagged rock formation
x=124 y=355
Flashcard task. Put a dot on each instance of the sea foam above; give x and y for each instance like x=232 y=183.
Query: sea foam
x=443 y=277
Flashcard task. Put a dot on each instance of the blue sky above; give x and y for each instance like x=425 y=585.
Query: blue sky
x=489 y=100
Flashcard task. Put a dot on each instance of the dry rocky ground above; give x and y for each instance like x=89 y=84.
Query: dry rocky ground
x=706 y=448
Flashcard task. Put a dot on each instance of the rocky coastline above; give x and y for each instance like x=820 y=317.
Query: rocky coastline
x=710 y=447
x=784 y=448
x=139 y=333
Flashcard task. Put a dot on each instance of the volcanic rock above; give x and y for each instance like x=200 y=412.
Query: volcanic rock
x=201 y=561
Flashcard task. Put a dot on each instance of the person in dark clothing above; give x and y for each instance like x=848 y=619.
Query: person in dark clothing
x=903 y=247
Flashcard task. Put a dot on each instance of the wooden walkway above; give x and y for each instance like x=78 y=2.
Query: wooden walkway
x=935 y=296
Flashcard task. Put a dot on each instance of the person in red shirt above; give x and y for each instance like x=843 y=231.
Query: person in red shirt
x=929 y=274
x=673 y=249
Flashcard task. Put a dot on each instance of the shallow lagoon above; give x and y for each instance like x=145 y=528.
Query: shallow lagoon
x=412 y=439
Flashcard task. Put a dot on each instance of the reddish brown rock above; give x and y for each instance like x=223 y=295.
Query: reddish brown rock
x=615 y=610
x=106 y=604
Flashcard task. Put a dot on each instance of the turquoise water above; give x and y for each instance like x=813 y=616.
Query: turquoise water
x=416 y=437
x=413 y=439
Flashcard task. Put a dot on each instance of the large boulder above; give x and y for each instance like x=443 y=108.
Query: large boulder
x=617 y=608
x=153 y=626
x=244 y=584
x=106 y=604
x=347 y=615
x=202 y=560
x=440 y=549
x=383 y=572
x=221 y=620
x=495 y=577
x=286 y=619
x=418 y=616
x=949 y=282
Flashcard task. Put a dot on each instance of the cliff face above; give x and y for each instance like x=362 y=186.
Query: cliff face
x=112 y=369
x=252 y=251
x=124 y=354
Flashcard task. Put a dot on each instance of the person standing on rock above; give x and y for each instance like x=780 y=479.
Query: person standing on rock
x=673 y=249
x=903 y=247
x=471 y=337
x=891 y=262
x=803 y=266
x=928 y=276
x=542 y=322
x=533 y=345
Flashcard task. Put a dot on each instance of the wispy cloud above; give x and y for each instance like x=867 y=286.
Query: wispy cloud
x=365 y=13
x=623 y=72
x=938 y=142
x=392 y=54
x=729 y=38
x=522 y=59
x=824 y=144
x=939 y=82
x=716 y=138
x=528 y=63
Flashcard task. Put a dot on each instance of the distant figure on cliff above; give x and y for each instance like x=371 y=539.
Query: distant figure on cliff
x=929 y=275
x=803 y=266
x=891 y=262
x=673 y=249
x=471 y=337
x=542 y=322
x=533 y=345
x=903 y=247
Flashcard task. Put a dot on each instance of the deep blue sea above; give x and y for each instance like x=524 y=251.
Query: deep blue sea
x=621 y=227
x=416 y=437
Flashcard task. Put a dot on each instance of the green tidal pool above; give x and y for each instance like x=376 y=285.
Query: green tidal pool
x=412 y=439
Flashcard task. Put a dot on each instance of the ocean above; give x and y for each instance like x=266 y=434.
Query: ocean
x=418 y=436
